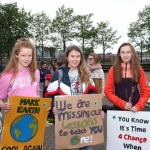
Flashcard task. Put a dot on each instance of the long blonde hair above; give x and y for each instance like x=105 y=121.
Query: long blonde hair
x=12 y=66
x=135 y=70
x=84 y=74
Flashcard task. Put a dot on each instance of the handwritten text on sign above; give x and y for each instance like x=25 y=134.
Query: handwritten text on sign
x=22 y=123
x=78 y=121
x=129 y=130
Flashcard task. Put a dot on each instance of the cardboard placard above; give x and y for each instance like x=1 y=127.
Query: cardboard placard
x=78 y=122
x=98 y=84
x=24 y=124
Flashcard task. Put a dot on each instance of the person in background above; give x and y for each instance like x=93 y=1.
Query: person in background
x=21 y=76
x=58 y=64
x=1 y=68
x=123 y=80
x=95 y=68
x=52 y=68
x=51 y=117
x=44 y=81
x=76 y=79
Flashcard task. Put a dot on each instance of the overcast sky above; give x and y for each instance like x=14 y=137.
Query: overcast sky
x=120 y=13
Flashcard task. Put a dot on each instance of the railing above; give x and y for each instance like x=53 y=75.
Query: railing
x=106 y=67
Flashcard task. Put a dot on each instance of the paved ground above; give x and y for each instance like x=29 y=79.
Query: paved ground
x=50 y=131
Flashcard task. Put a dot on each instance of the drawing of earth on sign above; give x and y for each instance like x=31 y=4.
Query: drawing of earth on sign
x=24 y=128
x=75 y=140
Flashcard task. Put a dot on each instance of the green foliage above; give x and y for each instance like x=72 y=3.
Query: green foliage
x=106 y=36
x=40 y=29
x=85 y=33
x=63 y=24
x=13 y=26
x=139 y=31
x=51 y=35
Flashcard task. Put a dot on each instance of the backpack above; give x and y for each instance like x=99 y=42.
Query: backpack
x=60 y=75
x=50 y=114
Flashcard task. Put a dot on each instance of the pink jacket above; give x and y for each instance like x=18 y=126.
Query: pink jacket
x=21 y=85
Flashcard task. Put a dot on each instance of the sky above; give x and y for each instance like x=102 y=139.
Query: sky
x=119 y=13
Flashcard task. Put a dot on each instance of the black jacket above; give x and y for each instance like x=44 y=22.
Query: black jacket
x=43 y=72
x=1 y=68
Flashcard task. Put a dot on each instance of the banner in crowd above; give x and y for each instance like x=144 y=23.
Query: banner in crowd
x=78 y=122
x=128 y=130
x=24 y=125
x=98 y=84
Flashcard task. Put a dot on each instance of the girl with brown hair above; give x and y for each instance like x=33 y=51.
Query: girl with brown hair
x=52 y=68
x=76 y=79
x=123 y=80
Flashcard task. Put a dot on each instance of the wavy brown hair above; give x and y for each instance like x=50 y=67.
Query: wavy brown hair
x=84 y=74
x=12 y=66
x=135 y=70
x=96 y=57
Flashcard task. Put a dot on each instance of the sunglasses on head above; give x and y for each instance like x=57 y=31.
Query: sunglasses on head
x=90 y=58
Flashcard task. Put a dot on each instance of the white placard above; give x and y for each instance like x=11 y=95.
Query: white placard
x=127 y=130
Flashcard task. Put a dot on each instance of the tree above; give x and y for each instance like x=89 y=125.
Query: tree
x=40 y=29
x=106 y=37
x=56 y=42
x=85 y=33
x=134 y=34
x=63 y=24
x=139 y=31
x=13 y=26
x=144 y=22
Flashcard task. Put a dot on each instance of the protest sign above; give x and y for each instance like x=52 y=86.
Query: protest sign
x=128 y=130
x=24 y=124
x=78 y=122
x=98 y=84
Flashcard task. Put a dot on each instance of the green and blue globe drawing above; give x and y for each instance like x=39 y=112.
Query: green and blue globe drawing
x=24 y=128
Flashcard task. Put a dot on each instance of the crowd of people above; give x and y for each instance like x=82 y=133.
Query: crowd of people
x=122 y=81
